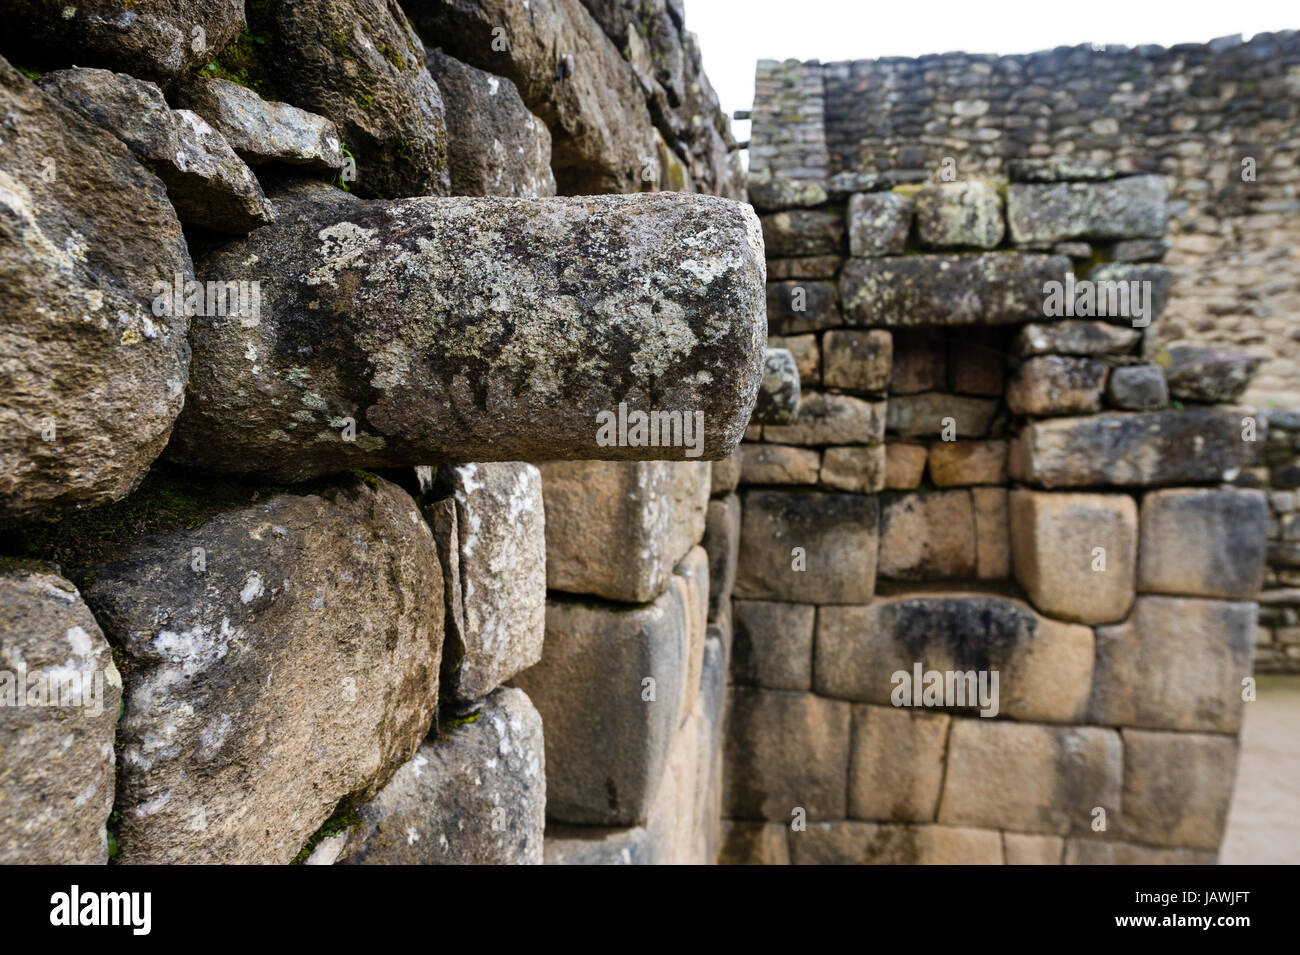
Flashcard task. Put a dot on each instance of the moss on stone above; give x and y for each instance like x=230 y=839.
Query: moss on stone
x=338 y=823
x=244 y=61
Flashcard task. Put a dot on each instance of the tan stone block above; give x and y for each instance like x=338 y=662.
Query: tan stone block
x=1203 y=542
x=831 y=419
x=725 y=473
x=938 y=415
x=1177 y=787
x=928 y=535
x=857 y=469
x=1023 y=849
x=778 y=464
x=857 y=360
x=919 y=363
x=957 y=463
x=1033 y=778
x=807 y=356
x=955 y=845
x=692 y=575
x=1057 y=385
x=896 y=763
x=992 y=533
x=1094 y=851
x=1054 y=546
x=754 y=843
x=869 y=843
x=975 y=361
x=1175 y=663
x=773 y=644
x=904 y=466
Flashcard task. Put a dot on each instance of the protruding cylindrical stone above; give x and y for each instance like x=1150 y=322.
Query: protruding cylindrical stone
x=386 y=333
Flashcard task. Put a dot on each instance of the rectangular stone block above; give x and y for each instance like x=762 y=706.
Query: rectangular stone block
x=1037 y=779
x=938 y=415
x=869 y=843
x=992 y=533
x=807 y=547
x=856 y=360
x=1094 y=851
x=879 y=223
x=786 y=751
x=896 y=763
x=802 y=305
x=991 y=288
x=1175 y=663
x=1177 y=787
x=754 y=843
x=1203 y=543
x=860 y=470
x=1076 y=554
x=773 y=644
x=1075 y=337
x=1136 y=449
x=919 y=362
x=927 y=535
x=870 y=655
x=722 y=542
x=832 y=419
x=1024 y=849
x=617 y=529
x=904 y=465
x=960 y=214
x=1057 y=385
x=778 y=464
x=802 y=232
x=958 y=463
x=804 y=267
x=807 y=356
x=598 y=845
x=1129 y=208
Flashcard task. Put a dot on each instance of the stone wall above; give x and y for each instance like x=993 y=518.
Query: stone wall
x=982 y=486
x=308 y=629
x=1278 y=647
x=1192 y=113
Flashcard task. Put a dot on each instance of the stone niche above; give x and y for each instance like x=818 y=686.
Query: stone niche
x=1058 y=508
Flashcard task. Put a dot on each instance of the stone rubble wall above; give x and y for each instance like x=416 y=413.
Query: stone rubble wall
x=1191 y=113
x=974 y=484
x=323 y=635
x=1277 y=649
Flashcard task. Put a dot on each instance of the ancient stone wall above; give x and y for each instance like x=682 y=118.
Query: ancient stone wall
x=996 y=591
x=255 y=335
x=1219 y=122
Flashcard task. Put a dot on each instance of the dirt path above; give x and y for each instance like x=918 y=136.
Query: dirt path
x=1264 y=821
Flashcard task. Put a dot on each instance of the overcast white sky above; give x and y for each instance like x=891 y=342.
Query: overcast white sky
x=734 y=34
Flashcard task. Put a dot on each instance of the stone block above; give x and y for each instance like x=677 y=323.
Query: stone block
x=1203 y=543
x=779 y=390
x=1057 y=385
x=960 y=214
x=773 y=646
x=803 y=305
x=904 y=466
x=1024 y=849
x=832 y=419
x=778 y=464
x=807 y=356
x=1213 y=375
x=1177 y=788
x=722 y=542
x=992 y=533
x=934 y=415
x=804 y=267
x=856 y=360
x=754 y=843
x=1075 y=337
x=879 y=223
x=597 y=845
x=1093 y=851
x=958 y=463
x=1129 y=208
x=896 y=763
x=1138 y=388
x=799 y=232
x=927 y=535
x=919 y=362
x=867 y=843
x=857 y=469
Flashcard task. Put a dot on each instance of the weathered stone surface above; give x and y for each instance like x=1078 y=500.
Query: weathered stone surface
x=896 y=763
x=261 y=693
x=954 y=214
x=1056 y=385
x=501 y=576
x=992 y=288
x=1125 y=449
x=360 y=64
x=754 y=843
x=786 y=751
x=473 y=796
x=857 y=360
x=832 y=537
x=1076 y=337
x=722 y=542
x=860 y=470
x=801 y=306
x=976 y=361
x=450 y=329
x=919 y=361
x=1177 y=787
x=153 y=39
x=617 y=529
x=1045 y=666
x=904 y=466
x=928 y=415
x=261 y=131
x=1230 y=530
x=1091 y=851
x=692 y=576
x=992 y=533
x=1112 y=280
x=802 y=232
x=927 y=535
x=1138 y=388
x=807 y=356
x=1140 y=250
x=1059 y=169
x=957 y=463
x=597 y=658
x=778 y=393
x=778 y=464
x=1023 y=849
x=867 y=843
x=832 y=419
x=1207 y=374
x=60 y=693
x=1055 y=541
x=724 y=473
x=768 y=193
x=773 y=644
x=206 y=182
x=592 y=845
x=495 y=146
x=1038 y=779
x=1129 y=208
x=804 y=267
x=1175 y=663
x=92 y=378
x=879 y=223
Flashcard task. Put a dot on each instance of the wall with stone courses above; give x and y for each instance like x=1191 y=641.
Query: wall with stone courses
x=957 y=460
x=1278 y=647
x=361 y=637
x=1190 y=113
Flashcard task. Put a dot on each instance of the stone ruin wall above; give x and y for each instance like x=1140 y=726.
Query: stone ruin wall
x=972 y=484
x=333 y=641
